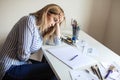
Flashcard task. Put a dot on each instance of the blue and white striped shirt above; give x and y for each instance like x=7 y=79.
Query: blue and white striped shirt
x=23 y=39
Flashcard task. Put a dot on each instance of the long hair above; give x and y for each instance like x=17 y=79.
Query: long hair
x=41 y=20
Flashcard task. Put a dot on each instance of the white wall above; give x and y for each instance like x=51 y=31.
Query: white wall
x=112 y=36
x=99 y=17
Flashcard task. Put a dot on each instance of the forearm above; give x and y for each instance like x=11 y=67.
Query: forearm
x=58 y=32
x=57 y=39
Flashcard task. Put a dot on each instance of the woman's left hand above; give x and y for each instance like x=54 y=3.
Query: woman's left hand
x=61 y=18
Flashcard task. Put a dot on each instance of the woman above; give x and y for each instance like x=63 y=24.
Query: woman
x=27 y=37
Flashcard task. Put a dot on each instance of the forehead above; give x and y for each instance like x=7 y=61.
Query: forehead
x=57 y=15
x=54 y=16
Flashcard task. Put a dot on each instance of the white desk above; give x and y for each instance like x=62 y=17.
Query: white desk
x=62 y=71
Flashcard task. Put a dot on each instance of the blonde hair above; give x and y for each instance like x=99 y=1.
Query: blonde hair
x=41 y=20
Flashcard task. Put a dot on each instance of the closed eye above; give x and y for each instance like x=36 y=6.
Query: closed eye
x=55 y=19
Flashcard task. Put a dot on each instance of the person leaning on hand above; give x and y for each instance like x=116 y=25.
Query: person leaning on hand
x=27 y=37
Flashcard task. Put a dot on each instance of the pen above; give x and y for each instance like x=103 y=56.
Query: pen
x=109 y=71
x=99 y=72
x=94 y=71
x=73 y=57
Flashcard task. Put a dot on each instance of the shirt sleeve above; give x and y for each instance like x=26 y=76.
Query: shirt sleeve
x=25 y=38
x=57 y=40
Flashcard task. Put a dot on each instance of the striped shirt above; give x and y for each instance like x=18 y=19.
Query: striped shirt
x=23 y=39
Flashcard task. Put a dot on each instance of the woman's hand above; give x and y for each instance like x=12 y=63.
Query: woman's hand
x=61 y=18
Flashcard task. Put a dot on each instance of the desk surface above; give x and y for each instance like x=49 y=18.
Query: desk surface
x=62 y=71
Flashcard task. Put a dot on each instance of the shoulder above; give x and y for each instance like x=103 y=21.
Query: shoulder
x=27 y=22
x=28 y=18
x=31 y=17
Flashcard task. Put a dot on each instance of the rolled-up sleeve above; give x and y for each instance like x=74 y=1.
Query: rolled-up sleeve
x=57 y=40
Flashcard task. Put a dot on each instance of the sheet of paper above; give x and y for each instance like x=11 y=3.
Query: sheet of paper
x=66 y=53
x=82 y=75
x=86 y=48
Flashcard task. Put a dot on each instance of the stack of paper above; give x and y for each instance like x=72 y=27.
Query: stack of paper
x=72 y=57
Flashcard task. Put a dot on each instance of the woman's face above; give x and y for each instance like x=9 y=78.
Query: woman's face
x=53 y=19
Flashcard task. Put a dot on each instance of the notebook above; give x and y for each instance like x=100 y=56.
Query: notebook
x=71 y=56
